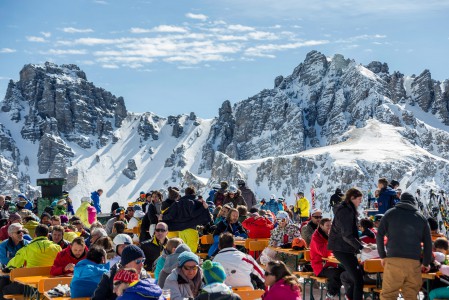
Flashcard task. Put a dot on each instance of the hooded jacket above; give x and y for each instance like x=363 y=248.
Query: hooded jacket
x=81 y=212
x=64 y=258
x=406 y=229
x=344 y=234
x=39 y=252
x=281 y=290
x=95 y=196
x=86 y=276
x=273 y=205
x=141 y=290
x=180 y=286
x=386 y=199
x=318 y=251
x=248 y=196
x=8 y=249
x=302 y=206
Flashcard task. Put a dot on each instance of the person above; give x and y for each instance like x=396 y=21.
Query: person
x=234 y=197
x=186 y=280
x=243 y=212
x=60 y=208
x=376 y=221
x=45 y=219
x=222 y=213
x=117 y=228
x=135 y=214
x=184 y=215
x=170 y=248
x=24 y=202
x=119 y=243
x=219 y=195
x=433 y=224
x=150 y=219
x=13 y=218
x=131 y=257
x=38 y=253
x=247 y=194
x=82 y=212
x=318 y=251
x=57 y=236
x=368 y=233
x=29 y=223
x=88 y=273
x=4 y=213
x=95 y=196
x=344 y=241
x=336 y=198
x=127 y=286
x=119 y=216
x=96 y=233
x=302 y=207
x=232 y=225
x=240 y=268
x=66 y=260
x=312 y=225
x=171 y=262
x=273 y=205
x=401 y=260
x=285 y=231
x=153 y=247
x=280 y=283
x=15 y=242
x=215 y=288
x=387 y=195
x=258 y=226
x=81 y=229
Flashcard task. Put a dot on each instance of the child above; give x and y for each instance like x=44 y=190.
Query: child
x=170 y=248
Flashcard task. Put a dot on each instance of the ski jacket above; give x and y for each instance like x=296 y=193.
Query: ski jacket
x=258 y=227
x=302 y=206
x=318 y=251
x=282 y=290
x=64 y=258
x=249 y=197
x=8 y=250
x=38 y=253
x=86 y=276
x=344 y=234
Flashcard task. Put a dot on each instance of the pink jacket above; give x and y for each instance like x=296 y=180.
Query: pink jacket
x=281 y=290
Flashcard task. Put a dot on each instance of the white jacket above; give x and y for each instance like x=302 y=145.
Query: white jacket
x=238 y=267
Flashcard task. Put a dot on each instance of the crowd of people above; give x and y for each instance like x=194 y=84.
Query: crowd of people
x=114 y=260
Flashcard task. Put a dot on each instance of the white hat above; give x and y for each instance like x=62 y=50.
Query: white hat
x=315 y=211
x=282 y=215
x=272 y=196
x=232 y=189
x=122 y=239
x=86 y=199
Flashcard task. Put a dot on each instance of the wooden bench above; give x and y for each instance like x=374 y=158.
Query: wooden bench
x=250 y=295
x=26 y=272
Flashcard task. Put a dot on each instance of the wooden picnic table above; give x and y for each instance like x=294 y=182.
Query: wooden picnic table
x=240 y=242
x=289 y=251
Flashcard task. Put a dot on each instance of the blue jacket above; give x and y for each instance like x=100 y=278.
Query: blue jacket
x=386 y=199
x=273 y=206
x=143 y=289
x=96 y=201
x=8 y=250
x=86 y=277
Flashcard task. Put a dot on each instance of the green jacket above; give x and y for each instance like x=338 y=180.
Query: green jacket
x=39 y=253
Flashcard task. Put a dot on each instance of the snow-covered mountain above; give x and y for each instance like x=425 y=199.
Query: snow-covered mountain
x=331 y=123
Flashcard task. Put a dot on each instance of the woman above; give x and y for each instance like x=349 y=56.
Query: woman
x=280 y=283
x=186 y=280
x=234 y=197
x=232 y=225
x=344 y=241
x=285 y=231
x=127 y=286
x=318 y=251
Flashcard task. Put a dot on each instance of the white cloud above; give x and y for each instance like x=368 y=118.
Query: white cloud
x=200 y=17
x=139 y=30
x=36 y=39
x=110 y=66
x=239 y=27
x=76 y=30
x=168 y=28
x=264 y=50
x=262 y=35
x=46 y=34
x=7 y=50
x=65 y=52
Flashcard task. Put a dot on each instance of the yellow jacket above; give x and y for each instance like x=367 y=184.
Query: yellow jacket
x=302 y=205
x=39 y=253
x=81 y=212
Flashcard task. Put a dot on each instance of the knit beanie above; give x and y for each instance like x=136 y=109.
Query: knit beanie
x=126 y=276
x=213 y=272
x=130 y=253
x=187 y=256
x=408 y=198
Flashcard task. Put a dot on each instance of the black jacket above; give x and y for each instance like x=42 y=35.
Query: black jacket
x=186 y=213
x=149 y=219
x=152 y=249
x=406 y=228
x=224 y=226
x=335 y=199
x=344 y=235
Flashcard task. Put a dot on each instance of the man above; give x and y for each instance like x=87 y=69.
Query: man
x=135 y=213
x=57 y=236
x=24 y=202
x=95 y=196
x=247 y=194
x=119 y=216
x=132 y=257
x=3 y=209
x=312 y=225
x=406 y=229
x=377 y=219
x=154 y=246
x=81 y=229
x=66 y=260
x=240 y=268
x=95 y=235
x=39 y=253
x=13 y=218
x=387 y=196
x=302 y=206
x=336 y=198
x=9 y=247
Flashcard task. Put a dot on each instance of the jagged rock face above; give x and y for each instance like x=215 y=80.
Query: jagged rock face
x=130 y=174
x=62 y=93
x=422 y=90
x=148 y=127
x=58 y=168
x=132 y=165
x=51 y=146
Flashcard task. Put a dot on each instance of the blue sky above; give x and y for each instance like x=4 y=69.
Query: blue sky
x=173 y=57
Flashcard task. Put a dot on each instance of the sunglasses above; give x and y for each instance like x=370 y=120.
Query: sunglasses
x=268 y=273
x=160 y=230
x=187 y=268
x=317 y=217
x=140 y=261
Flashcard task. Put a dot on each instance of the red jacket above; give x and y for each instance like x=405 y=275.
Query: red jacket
x=281 y=290
x=64 y=258
x=318 y=250
x=4 y=232
x=258 y=227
